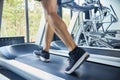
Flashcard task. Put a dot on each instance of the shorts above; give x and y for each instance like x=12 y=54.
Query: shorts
x=37 y=0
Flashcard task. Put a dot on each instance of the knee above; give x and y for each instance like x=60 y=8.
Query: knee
x=51 y=13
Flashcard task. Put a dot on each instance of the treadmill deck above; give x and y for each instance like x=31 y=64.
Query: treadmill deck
x=57 y=65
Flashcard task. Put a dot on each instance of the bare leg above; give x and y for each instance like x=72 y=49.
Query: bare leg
x=48 y=34
x=57 y=24
x=48 y=37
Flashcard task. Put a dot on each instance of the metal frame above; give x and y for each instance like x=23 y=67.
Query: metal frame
x=27 y=20
x=1 y=9
x=101 y=37
x=40 y=34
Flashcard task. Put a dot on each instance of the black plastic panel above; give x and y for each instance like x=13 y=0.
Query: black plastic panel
x=11 y=40
x=13 y=51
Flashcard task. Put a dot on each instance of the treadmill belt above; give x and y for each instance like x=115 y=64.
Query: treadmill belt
x=87 y=71
x=9 y=75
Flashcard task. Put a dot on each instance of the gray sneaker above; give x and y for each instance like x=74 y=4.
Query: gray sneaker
x=43 y=55
x=77 y=57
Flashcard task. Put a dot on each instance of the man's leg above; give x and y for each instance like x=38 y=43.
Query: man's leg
x=77 y=55
x=44 y=54
x=48 y=37
x=57 y=24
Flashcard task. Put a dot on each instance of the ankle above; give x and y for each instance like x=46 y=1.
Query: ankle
x=45 y=51
x=76 y=50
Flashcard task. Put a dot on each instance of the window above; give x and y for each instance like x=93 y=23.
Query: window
x=13 y=18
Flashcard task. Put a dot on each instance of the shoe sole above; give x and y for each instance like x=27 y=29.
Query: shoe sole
x=78 y=63
x=42 y=58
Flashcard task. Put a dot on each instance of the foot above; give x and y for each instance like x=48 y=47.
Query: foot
x=75 y=7
x=43 y=55
x=77 y=57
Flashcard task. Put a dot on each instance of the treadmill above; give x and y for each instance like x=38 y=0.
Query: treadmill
x=19 y=59
x=6 y=74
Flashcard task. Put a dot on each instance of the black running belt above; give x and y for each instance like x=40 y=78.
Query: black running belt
x=86 y=71
x=9 y=75
x=56 y=66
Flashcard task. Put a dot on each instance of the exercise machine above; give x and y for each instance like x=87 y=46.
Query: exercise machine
x=94 y=28
x=19 y=59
